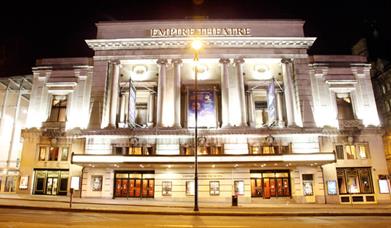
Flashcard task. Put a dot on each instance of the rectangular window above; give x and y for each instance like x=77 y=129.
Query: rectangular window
x=10 y=182
x=53 y=153
x=64 y=153
x=58 y=110
x=351 y=152
x=354 y=181
x=339 y=152
x=42 y=153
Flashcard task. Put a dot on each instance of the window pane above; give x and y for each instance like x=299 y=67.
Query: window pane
x=342 y=184
x=53 y=153
x=351 y=152
x=339 y=151
x=62 y=114
x=42 y=153
x=64 y=154
x=362 y=152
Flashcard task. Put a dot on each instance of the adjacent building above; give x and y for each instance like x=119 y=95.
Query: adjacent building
x=274 y=124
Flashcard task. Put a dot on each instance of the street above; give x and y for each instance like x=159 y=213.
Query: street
x=41 y=218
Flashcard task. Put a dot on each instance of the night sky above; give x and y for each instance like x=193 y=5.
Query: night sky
x=40 y=29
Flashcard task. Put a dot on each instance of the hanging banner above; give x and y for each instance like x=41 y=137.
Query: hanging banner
x=132 y=105
x=271 y=103
x=206 y=109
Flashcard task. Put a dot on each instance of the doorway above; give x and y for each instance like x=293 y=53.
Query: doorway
x=134 y=184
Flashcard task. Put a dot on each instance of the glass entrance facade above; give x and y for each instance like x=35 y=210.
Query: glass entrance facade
x=51 y=182
x=134 y=184
x=267 y=184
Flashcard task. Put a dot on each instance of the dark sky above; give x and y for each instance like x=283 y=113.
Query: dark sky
x=39 y=29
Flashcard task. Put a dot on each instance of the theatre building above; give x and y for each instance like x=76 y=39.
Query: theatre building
x=274 y=124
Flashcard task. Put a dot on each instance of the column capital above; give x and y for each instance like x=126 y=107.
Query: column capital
x=176 y=61
x=115 y=62
x=286 y=60
x=162 y=61
x=239 y=61
x=224 y=61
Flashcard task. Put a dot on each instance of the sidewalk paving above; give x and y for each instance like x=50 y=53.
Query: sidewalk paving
x=147 y=206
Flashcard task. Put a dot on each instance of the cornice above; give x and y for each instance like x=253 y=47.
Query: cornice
x=208 y=42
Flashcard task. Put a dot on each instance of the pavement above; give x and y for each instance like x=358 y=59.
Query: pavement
x=156 y=207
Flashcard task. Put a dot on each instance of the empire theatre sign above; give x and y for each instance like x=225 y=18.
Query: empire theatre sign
x=184 y=32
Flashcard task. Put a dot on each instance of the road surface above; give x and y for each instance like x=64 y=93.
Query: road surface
x=40 y=218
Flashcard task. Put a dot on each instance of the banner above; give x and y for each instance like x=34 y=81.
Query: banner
x=271 y=103
x=206 y=109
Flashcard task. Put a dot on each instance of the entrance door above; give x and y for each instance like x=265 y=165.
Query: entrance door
x=148 y=188
x=51 y=187
x=266 y=188
x=121 y=187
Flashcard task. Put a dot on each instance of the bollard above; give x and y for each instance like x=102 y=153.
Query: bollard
x=70 y=198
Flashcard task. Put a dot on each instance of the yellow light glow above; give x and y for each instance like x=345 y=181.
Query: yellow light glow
x=196 y=45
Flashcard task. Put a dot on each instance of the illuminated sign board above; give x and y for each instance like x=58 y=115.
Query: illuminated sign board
x=206 y=109
x=184 y=32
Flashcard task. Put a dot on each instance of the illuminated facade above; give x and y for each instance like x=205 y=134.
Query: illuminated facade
x=275 y=124
x=14 y=98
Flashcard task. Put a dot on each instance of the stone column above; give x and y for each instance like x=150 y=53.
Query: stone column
x=242 y=97
x=161 y=90
x=122 y=111
x=150 y=108
x=288 y=91
x=177 y=92
x=224 y=93
x=280 y=119
x=114 y=94
x=5 y=99
x=13 y=130
x=251 y=108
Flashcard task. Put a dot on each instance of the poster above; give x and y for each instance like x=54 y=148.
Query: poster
x=166 y=188
x=24 y=182
x=239 y=187
x=75 y=183
x=190 y=188
x=214 y=188
x=96 y=183
x=332 y=187
x=307 y=188
x=383 y=186
x=206 y=109
x=271 y=103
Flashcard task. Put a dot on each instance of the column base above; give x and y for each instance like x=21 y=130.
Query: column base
x=281 y=124
x=122 y=125
x=150 y=124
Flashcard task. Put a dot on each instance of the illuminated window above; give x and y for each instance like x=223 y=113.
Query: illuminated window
x=351 y=152
x=64 y=153
x=42 y=153
x=53 y=153
x=345 y=108
x=354 y=181
x=58 y=110
x=357 y=151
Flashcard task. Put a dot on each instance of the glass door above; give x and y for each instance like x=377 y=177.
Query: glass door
x=51 y=187
x=266 y=188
